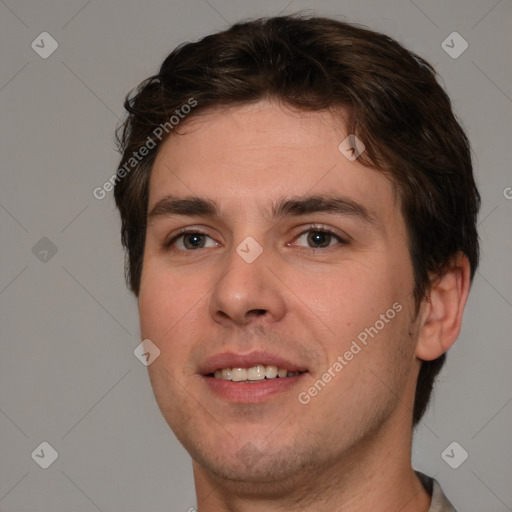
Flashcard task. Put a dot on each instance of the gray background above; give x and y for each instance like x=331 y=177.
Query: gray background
x=68 y=375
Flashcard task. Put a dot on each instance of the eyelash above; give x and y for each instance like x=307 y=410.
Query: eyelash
x=312 y=228
x=320 y=229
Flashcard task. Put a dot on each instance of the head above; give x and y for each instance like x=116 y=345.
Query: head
x=269 y=99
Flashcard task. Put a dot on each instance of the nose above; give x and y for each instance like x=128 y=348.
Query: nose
x=247 y=291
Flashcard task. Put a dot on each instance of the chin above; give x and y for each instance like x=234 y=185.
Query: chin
x=248 y=465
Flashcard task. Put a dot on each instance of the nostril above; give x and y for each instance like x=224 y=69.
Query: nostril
x=257 y=312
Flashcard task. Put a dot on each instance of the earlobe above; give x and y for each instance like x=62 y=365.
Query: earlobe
x=442 y=310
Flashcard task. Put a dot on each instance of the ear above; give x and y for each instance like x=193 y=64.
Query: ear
x=442 y=310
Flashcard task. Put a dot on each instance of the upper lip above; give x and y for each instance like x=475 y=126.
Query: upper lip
x=247 y=360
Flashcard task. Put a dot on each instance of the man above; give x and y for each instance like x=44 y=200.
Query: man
x=299 y=210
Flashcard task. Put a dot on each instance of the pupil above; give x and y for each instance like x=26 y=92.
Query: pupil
x=319 y=238
x=196 y=240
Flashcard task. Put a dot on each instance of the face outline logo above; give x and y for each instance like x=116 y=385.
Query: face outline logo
x=249 y=454
x=351 y=147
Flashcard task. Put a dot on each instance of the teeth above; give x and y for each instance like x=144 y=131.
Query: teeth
x=256 y=373
x=253 y=374
x=271 y=371
x=238 y=374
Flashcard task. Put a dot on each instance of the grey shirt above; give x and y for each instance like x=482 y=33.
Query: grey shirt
x=439 y=502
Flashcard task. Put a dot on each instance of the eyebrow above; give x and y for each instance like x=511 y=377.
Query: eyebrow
x=171 y=206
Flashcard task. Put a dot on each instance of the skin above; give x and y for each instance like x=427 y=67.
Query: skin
x=349 y=448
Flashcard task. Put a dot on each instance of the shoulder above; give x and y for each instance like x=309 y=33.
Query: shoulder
x=439 y=502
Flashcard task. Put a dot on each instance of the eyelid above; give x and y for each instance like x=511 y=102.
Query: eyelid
x=343 y=238
x=169 y=241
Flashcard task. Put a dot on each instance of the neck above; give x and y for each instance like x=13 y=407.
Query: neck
x=376 y=475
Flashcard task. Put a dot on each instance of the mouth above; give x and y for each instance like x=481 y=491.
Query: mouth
x=250 y=378
x=256 y=373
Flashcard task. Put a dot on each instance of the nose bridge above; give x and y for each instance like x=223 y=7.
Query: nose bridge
x=247 y=285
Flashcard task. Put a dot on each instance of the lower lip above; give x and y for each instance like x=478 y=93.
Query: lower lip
x=253 y=393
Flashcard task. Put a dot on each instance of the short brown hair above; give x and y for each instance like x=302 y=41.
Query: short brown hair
x=391 y=100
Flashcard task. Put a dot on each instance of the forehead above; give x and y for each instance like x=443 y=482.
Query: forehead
x=253 y=154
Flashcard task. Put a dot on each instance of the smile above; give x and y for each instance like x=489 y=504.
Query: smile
x=254 y=373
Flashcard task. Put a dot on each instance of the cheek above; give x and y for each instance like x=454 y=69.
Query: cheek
x=365 y=304
x=167 y=303
x=170 y=317
x=349 y=297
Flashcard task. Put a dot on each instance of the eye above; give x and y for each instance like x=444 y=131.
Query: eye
x=320 y=238
x=189 y=241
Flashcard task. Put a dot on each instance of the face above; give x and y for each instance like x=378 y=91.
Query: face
x=294 y=257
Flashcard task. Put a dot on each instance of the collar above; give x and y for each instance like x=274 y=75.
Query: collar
x=439 y=501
